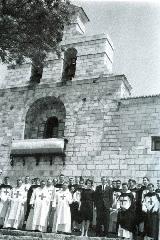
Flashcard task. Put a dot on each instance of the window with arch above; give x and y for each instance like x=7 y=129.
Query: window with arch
x=45 y=119
x=69 y=65
x=51 y=128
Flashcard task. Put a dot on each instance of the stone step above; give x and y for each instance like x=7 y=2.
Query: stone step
x=7 y=234
x=18 y=233
x=56 y=237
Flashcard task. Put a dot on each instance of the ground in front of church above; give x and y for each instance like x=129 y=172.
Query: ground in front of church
x=6 y=234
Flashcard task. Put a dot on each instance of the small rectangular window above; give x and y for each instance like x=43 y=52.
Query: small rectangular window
x=155 y=143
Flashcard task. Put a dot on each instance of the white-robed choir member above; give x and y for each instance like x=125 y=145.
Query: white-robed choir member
x=5 y=194
x=40 y=203
x=62 y=216
x=15 y=213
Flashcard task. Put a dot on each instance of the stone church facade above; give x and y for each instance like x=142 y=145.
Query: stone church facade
x=98 y=128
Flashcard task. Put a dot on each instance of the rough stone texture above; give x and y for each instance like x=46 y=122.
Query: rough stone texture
x=139 y=121
x=90 y=125
x=94 y=57
x=108 y=132
x=39 y=113
x=26 y=235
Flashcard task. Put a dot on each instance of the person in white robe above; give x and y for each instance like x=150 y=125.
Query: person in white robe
x=15 y=213
x=5 y=194
x=40 y=203
x=62 y=216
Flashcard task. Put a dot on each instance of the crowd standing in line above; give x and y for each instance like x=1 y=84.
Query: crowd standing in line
x=126 y=210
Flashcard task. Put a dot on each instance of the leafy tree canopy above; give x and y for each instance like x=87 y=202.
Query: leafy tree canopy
x=31 y=28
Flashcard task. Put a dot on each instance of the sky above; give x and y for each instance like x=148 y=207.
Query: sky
x=134 y=28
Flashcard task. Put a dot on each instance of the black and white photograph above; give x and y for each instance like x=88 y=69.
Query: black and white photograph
x=80 y=119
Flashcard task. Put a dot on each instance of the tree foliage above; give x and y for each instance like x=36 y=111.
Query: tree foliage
x=31 y=28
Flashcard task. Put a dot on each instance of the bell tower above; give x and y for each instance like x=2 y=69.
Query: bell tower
x=78 y=22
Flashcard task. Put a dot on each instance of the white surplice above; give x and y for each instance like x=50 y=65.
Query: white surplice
x=15 y=213
x=62 y=217
x=5 y=194
x=37 y=219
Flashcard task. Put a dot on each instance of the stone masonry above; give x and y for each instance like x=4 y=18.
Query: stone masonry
x=108 y=131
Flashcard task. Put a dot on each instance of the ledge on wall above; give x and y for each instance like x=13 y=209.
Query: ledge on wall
x=37 y=148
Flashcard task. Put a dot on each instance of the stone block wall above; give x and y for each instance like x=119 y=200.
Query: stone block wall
x=94 y=57
x=91 y=127
x=107 y=134
x=139 y=121
x=18 y=75
x=38 y=114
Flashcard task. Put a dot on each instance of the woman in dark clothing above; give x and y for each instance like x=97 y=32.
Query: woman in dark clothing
x=76 y=194
x=86 y=207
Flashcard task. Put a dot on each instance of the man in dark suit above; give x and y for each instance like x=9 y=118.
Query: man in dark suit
x=60 y=182
x=35 y=185
x=103 y=202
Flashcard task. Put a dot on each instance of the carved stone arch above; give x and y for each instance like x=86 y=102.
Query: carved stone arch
x=35 y=125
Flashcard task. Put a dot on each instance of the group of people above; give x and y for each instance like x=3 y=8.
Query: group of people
x=127 y=210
